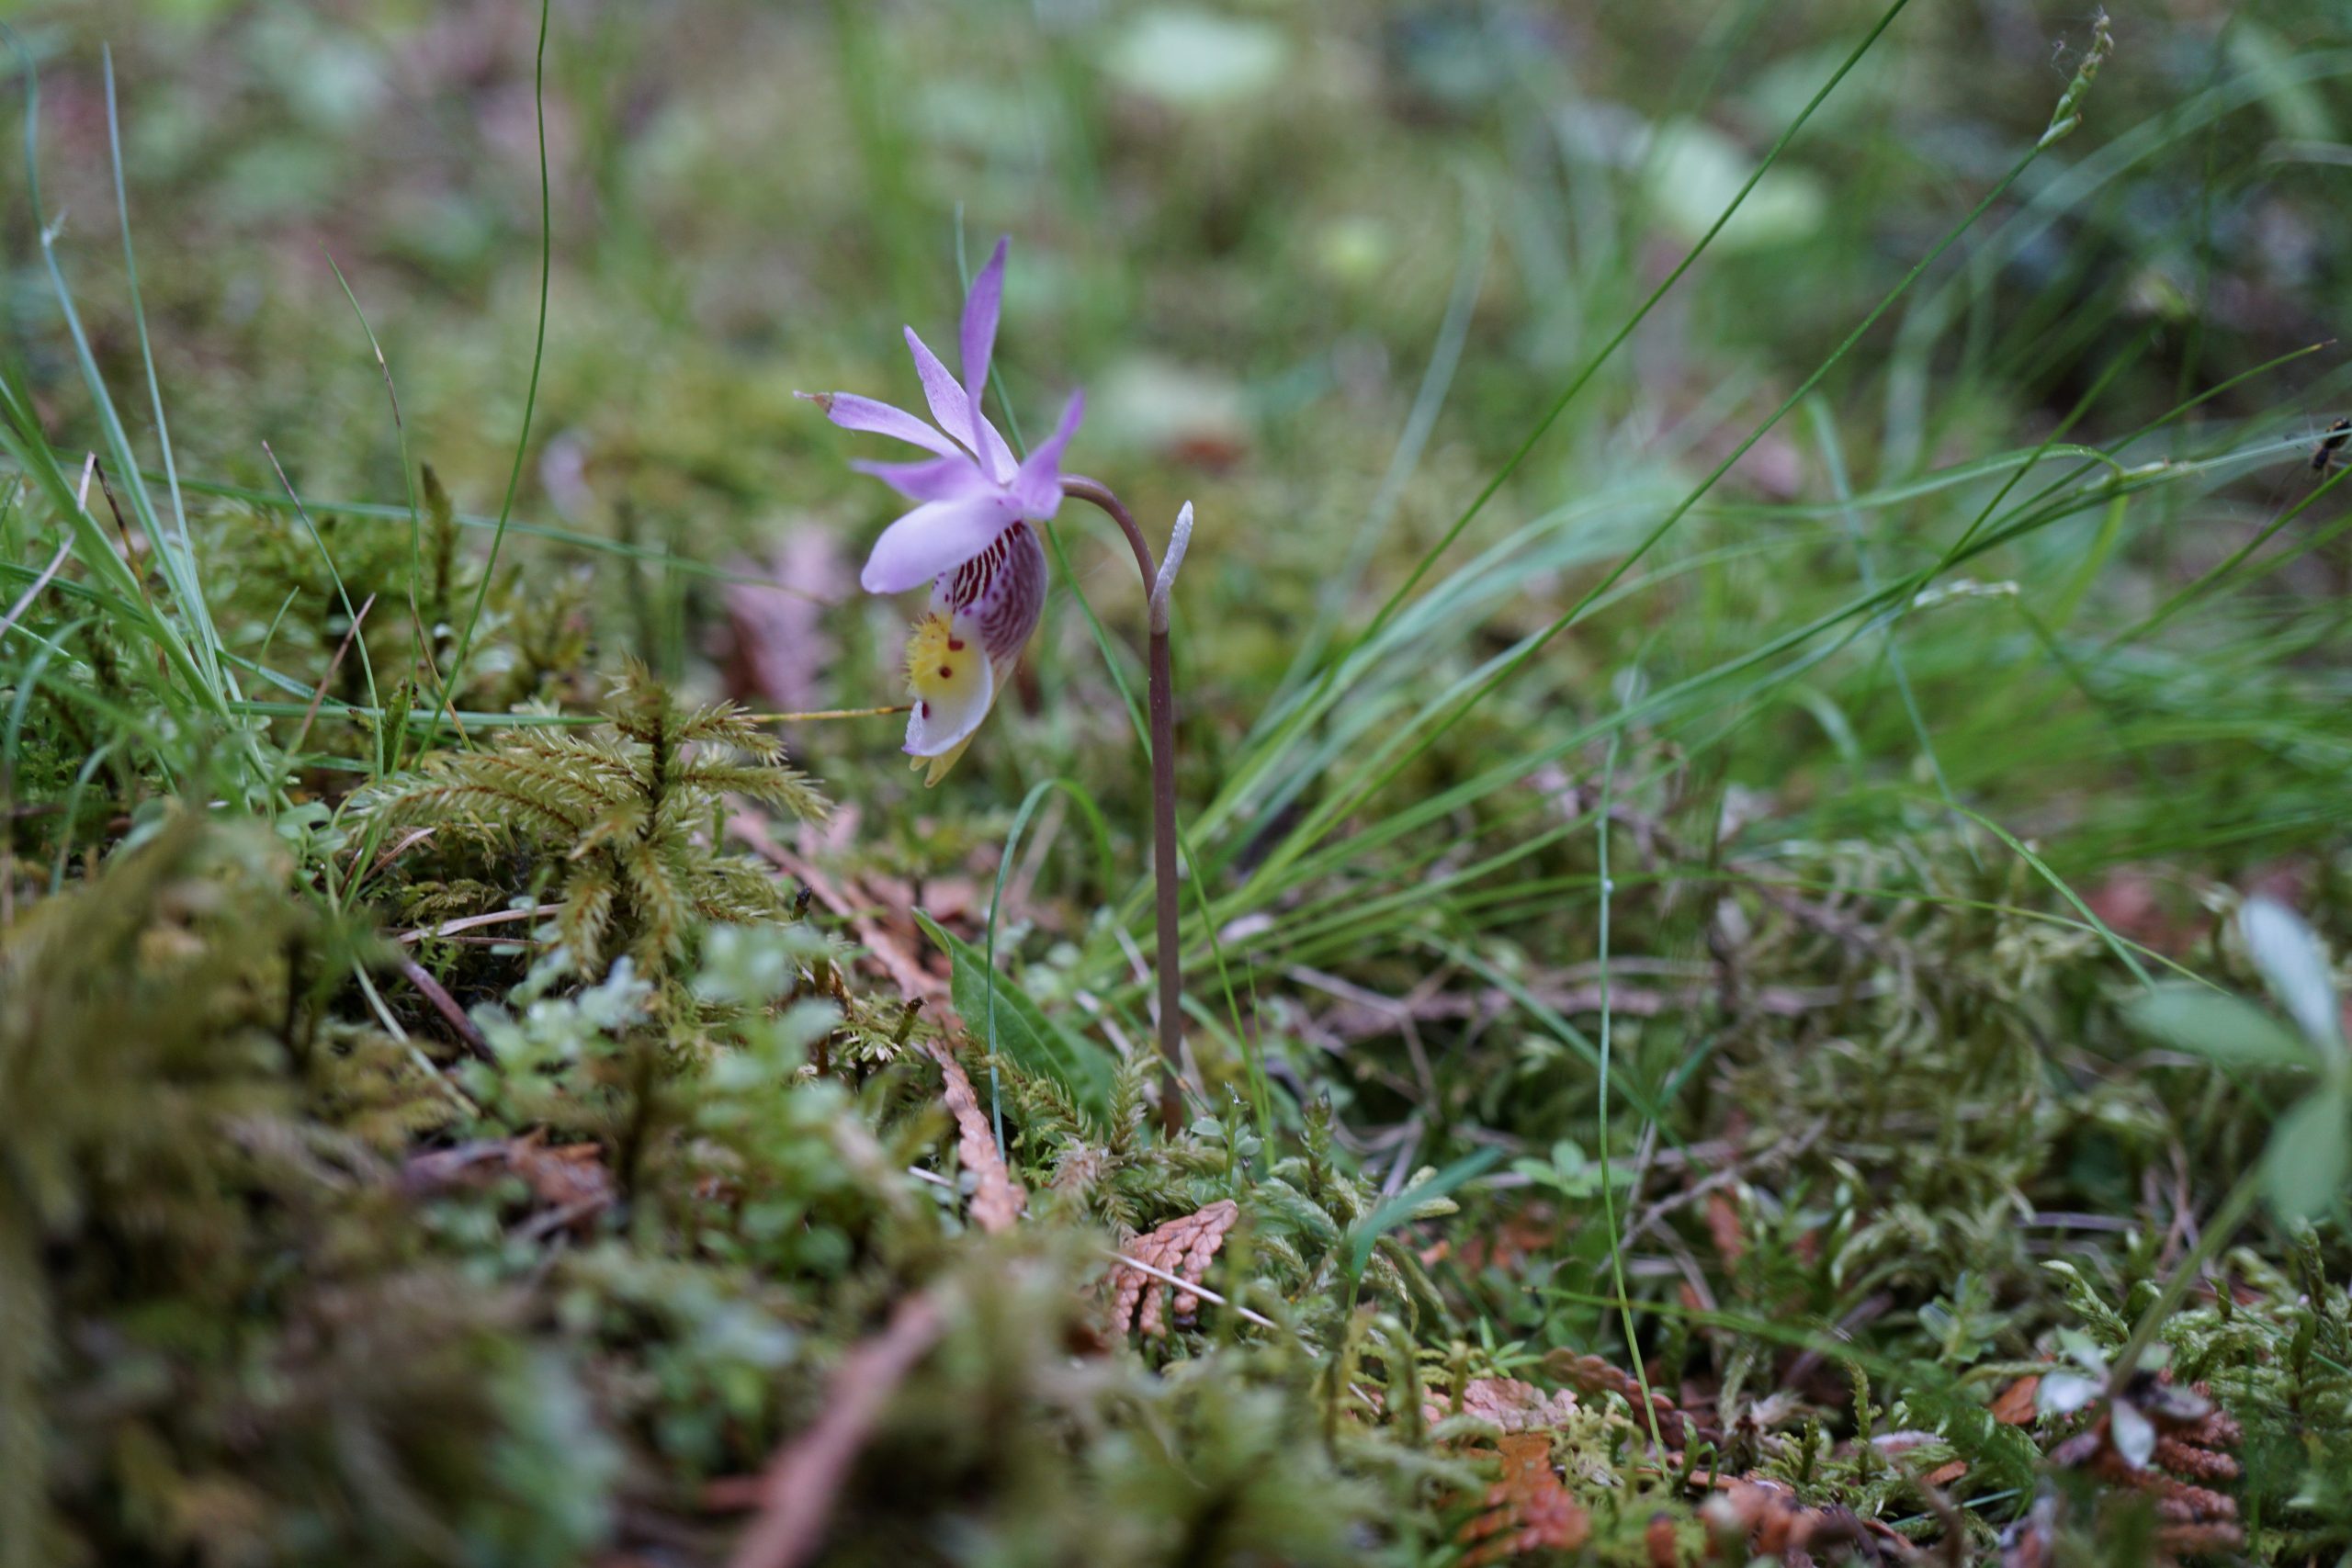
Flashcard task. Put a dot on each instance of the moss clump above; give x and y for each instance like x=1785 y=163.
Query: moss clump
x=622 y=819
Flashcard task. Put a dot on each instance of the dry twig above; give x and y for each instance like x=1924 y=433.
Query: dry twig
x=798 y=1490
x=999 y=1200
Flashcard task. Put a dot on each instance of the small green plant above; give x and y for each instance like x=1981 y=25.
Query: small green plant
x=628 y=813
x=2308 y=1162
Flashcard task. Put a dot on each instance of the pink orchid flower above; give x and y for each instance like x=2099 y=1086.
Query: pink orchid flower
x=972 y=533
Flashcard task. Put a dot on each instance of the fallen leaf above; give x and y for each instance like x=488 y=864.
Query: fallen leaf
x=911 y=978
x=1722 y=1227
x=1768 y=1515
x=1183 y=1247
x=1527 y=1509
x=998 y=1201
x=776 y=635
x=1510 y=1403
x=569 y=1181
x=1659 y=1541
x=2019 y=1403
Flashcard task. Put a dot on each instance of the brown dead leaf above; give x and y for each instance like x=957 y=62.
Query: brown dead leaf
x=911 y=978
x=1531 y=1230
x=777 y=642
x=1722 y=1227
x=1527 y=1509
x=1658 y=1541
x=1184 y=1248
x=564 y=1176
x=946 y=899
x=2016 y=1407
x=1591 y=1375
x=1768 y=1515
x=999 y=1200
x=1510 y=1403
x=569 y=1181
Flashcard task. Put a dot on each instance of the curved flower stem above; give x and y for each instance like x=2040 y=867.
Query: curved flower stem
x=1167 y=912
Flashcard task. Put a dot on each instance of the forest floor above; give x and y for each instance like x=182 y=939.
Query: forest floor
x=1762 y=798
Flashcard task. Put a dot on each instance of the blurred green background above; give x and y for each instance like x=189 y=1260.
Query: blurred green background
x=1320 y=267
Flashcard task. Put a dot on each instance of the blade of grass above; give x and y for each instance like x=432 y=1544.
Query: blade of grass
x=1348 y=797
x=456 y=678
x=1307 y=712
x=1608 y=1195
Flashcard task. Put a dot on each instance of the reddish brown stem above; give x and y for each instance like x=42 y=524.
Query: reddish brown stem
x=446 y=1006
x=1161 y=713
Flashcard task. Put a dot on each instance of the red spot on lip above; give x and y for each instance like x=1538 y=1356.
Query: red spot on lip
x=947 y=672
x=954 y=645
x=923 y=708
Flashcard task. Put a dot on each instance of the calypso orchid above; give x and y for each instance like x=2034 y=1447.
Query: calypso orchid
x=973 y=536
x=972 y=533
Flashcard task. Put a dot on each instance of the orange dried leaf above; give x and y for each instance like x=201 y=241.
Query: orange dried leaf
x=1184 y=1248
x=1527 y=1509
x=998 y=1201
x=1768 y=1516
x=1659 y=1541
x=2016 y=1407
x=569 y=1181
x=1508 y=1403
x=569 y=1175
x=1723 y=1228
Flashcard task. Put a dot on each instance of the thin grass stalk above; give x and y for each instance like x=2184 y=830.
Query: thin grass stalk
x=538 y=358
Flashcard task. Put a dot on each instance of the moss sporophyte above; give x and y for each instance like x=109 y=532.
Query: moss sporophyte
x=974 y=534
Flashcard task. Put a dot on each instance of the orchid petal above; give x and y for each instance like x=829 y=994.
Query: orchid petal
x=852 y=413
x=1038 y=485
x=953 y=409
x=949 y=407
x=936 y=536
x=982 y=307
x=940 y=479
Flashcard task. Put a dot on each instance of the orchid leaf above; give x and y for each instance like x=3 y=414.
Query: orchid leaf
x=2295 y=968
x=1002 y=1017
x=2219 y=1027
x=2309 y=1162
